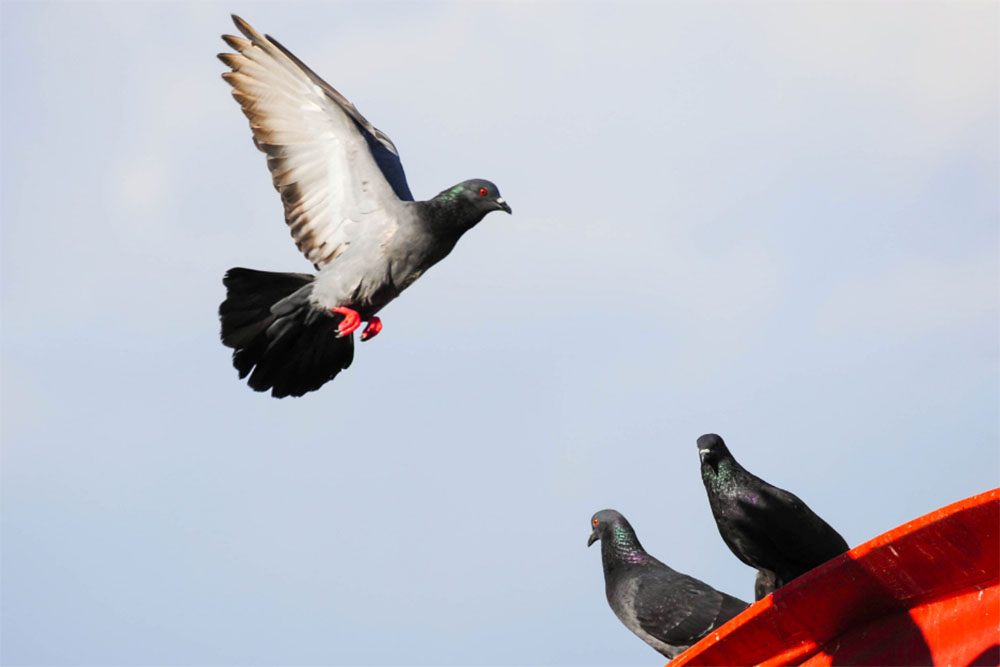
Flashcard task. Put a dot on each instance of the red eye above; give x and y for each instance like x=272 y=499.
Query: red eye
x=482 y=192
x=595 y=522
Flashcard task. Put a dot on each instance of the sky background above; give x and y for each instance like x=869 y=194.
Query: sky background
x=774 y=221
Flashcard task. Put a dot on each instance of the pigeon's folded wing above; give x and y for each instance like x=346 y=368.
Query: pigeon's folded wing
x=680 y=610
x=330 y=165
x=801 y=535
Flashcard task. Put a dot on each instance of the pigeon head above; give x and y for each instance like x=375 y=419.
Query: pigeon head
x=470 y=201
x=604 y=524
x=712 y=449
x=619 y=544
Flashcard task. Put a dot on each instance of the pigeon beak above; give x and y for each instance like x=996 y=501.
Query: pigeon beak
x=705 y=455
x=502 y=205
x=592 y=538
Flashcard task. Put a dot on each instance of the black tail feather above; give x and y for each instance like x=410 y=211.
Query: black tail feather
x=287 y=349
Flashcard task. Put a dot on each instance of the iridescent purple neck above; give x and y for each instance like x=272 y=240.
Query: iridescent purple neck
x=622 y=546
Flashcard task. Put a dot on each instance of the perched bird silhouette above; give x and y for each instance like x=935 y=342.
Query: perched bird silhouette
x=350 y=211
x=668 y=610
x=765 y=527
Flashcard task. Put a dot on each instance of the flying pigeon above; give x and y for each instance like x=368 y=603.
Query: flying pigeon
x=668 y=610
x=350 y=211
x=766 y=527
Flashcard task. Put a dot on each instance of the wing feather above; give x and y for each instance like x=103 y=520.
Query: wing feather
x=320 y=160
x=680 y=610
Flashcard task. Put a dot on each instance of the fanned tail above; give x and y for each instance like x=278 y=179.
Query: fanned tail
x=278 y=338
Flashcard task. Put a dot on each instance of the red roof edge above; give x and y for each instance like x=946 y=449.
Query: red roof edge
x=927 y=592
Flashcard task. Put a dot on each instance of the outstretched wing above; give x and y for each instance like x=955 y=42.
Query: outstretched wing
x=330 y=165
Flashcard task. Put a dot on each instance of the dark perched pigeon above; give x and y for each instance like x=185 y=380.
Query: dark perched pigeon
x=766 y=527
x=668 y=610
x=350 y=212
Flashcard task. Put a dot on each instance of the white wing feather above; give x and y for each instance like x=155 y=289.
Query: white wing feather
x=319 y=161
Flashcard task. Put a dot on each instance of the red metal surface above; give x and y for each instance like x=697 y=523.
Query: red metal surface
x=927 y=592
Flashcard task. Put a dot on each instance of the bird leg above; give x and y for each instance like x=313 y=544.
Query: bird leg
x=350 y=322
x=372 y=329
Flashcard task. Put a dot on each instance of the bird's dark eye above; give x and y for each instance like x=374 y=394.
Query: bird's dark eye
x=596 y=522
x=482 y=192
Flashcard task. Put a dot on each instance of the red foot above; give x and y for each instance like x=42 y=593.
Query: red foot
x=350 y=322
x=374 y=326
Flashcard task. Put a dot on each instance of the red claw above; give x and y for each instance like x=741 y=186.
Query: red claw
x=374 y=326
x=350 y=322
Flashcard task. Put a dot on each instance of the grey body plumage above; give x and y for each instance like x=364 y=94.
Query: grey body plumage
x=373 y=270
x=668 y=610
x=350 y=212
x=764 y=526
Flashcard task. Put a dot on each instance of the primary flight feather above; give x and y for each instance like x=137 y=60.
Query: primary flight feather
x=350 y=212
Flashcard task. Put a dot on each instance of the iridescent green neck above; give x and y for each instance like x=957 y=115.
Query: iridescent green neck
x=728 y=470
x=729 y=482
x=621 y=544
x=451 y=213
x=724 y=473
x=450 y=194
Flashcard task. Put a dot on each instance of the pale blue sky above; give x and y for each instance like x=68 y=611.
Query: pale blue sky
x=774 y=221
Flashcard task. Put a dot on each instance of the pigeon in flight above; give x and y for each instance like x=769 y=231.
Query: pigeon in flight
x=668 y=610
x=764 y=526
x=350 y=211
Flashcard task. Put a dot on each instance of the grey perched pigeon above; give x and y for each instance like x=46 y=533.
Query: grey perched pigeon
x=766 y=527
x=350 y=211
x=668 y=610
